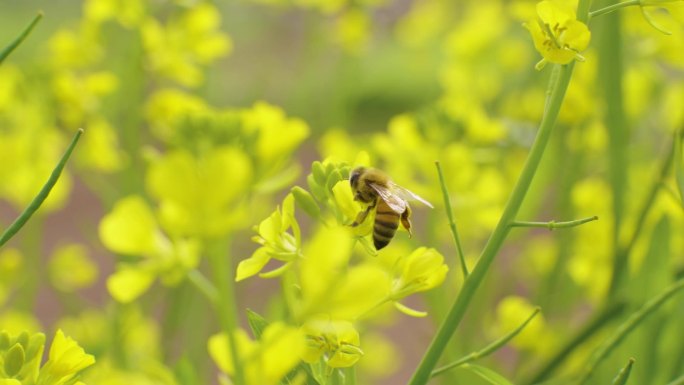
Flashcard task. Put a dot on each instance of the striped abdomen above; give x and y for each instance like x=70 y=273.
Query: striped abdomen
x=385 y=226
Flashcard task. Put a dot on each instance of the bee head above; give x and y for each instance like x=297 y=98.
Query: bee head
x=354 y=177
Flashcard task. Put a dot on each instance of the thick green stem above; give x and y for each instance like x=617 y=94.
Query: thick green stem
x=472 y=283
x=224 y=278
x=610 y=75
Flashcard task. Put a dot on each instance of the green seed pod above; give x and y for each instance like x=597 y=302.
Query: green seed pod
x=333 y=178
x=306 y=201
x=35 y=347
x=4 y=340
x=329 y=168
x=14 y=360
x=316 y=189
x=318 y=172
x=23 y=339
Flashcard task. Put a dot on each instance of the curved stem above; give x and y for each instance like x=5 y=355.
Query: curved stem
x=13 y=45
x=592 y=327
x=452 y=222
x=471 y=284
x=630 y=324
x=42 y=194
x=622 y=252
x=489 y=349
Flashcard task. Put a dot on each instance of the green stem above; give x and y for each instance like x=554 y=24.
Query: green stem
x=678 y=381
x=42 y=194
x=630 y=324
x=204 y=285
x=471 y=284
x=13 y=45
x=452 y=222
x=224 y=277
x=623 y=375
x=553 y=224
x=622 y=254
x=613 y=7
x=489 y=349
x=584 y=334
x=610 y=75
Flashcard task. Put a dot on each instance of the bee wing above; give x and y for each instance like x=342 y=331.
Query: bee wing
x=407 y=194
x=395 y=202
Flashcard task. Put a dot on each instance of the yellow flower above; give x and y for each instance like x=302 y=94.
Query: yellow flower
x=336 y=341
x=131 y=228
x=66 y=359
x=557 y=34
x=264 y=362
x=276 y=242
x=422 y=270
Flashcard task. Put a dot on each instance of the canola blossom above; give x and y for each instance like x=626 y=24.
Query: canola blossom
x=557 y=34
x=203 y=228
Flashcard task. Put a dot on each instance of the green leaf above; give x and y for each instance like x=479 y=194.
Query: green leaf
x=623 y=375
x=13 y=45
x=487 y=374
x=256 y=322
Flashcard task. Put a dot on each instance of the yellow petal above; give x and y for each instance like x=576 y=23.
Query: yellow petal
x=129 y=283
x=130 y=228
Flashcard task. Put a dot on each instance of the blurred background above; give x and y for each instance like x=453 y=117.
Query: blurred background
x=168 y=90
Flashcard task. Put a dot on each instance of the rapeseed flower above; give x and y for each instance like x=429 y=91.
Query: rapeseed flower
x=276 y=242
x=337 y=342
x=557 y=34
x=264 y=362
x=66 y=359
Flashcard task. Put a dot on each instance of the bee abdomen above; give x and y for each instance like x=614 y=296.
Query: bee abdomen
x=384 y=228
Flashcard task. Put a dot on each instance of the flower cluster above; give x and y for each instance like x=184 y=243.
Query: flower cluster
x=21 y=356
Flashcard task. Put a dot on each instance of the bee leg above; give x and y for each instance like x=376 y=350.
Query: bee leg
x=405 y=221
x=362 y=216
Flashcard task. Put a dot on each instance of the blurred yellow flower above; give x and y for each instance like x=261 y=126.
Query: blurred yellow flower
x=557 y=34
x=178 y=49
x=71 y=268
x=337 y=342
x=263 y=362
x=199 y=195
x=131 y=229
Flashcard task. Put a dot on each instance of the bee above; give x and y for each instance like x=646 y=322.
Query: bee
x=389 y=200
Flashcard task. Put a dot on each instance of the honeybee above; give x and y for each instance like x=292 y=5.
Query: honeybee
x=389 y=200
